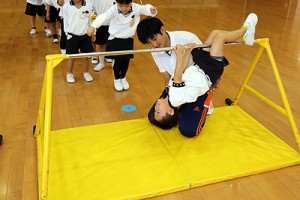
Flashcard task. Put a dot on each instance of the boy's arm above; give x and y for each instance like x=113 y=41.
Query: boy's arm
x=179 y=51
x=148 y=10
x=99 y=21
x=47 y=11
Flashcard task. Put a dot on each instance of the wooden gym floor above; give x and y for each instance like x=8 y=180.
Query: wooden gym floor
x=22 y=65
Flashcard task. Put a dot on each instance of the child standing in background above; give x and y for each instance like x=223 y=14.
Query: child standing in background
x=52 y=11
x=76 y=14
x=124 y=17
x=101 y=6
x=33 y=8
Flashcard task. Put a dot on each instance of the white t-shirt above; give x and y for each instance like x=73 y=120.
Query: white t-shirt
x=101 y=6
x=196 y=82
x=167 y=63
x=35 y=2
x=77 y=20
x=52 y=3
x=122 y=26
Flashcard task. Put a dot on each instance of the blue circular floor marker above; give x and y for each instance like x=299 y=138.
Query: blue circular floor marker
x=128 y=108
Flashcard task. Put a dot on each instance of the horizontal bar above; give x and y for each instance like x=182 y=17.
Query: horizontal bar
x=113 y=53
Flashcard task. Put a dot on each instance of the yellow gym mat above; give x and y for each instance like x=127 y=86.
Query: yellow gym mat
x=134 y=160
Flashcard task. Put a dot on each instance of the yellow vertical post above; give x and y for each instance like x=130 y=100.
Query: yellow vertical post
x=52 y=62
x=250 y=72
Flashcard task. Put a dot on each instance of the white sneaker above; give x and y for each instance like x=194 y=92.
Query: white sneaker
x=118 y=84
x=48 y=32
x=87 y=76
x=33 y=31
x=125 y=84
x=63 y=51
x=250 y=24
x=70 y=78
x=98 y=67
x=94 y=60
x=210 y=108
x=108 y=60
x=55 y=41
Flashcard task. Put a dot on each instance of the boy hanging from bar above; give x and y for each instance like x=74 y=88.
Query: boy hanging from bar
x=186 y=99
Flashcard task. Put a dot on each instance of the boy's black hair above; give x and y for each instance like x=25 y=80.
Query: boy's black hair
x=167 y=122
x=124 y=1
x=148 y=28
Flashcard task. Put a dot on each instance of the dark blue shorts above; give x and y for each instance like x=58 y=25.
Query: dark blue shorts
x=102 y=35
x=79 y=42
x=34 y=10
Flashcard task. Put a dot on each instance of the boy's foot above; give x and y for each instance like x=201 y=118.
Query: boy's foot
x=87 y=76
x=125 y=84
x=55 y=41
x=118 y=85
x=98 y=67
x=94 y=60
x=250 y=24
x=48 y=32
x=33 y=31
x=70 y=78
x=63 y=51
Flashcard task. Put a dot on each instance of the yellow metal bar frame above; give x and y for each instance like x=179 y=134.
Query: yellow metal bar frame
x=265 y=45
x=43 y=126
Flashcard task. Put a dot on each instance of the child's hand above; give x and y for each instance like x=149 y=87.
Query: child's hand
x=90 y=31
x=191 y=45
x=153 y=10
x=93 y=38
x=179 y=50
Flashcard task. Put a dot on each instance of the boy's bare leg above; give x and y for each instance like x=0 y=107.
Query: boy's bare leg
x=70 y=65
x=220 y=37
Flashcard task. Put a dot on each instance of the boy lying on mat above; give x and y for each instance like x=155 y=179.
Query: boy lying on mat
x=186 y=99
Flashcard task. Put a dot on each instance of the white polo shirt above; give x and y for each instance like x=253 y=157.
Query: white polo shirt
x=35 y=2
x=196 y=82
x=122 y=26
x=101 y=6
x=77 y=20
x=167 y=63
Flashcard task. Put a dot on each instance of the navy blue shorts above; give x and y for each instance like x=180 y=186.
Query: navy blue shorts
x=212 y=67
x=34 y=10
x=53 y=15
x=102 y=35
x=79 y=42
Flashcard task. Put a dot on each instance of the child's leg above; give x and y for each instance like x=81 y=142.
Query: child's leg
x=125 y=66
x=124 y=69
x=85 y=63
x=70 y=77
x=70 y=65
x=87 y=76
x=102 y=49
x=218 y=38
x=32 y=21
x=54 y=32
x=117 y=73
